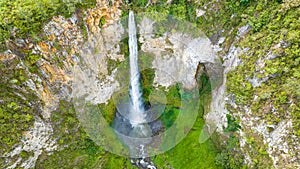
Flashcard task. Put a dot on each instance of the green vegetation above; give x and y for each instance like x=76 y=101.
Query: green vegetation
x=18 y=104
x=173 y=104
x=108 y=110
x=232 y=124
x=177 y=8
x=25 y=18
x=76 y=149
x=274 y=39
x=230 y=156
x=189 y=153
x=101 y=22
x=147 y=75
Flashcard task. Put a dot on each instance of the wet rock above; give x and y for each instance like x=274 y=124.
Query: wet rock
x=156 y=127
x=143 y=163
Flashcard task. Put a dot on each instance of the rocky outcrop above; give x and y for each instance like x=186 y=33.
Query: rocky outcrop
x=36 y=140
x=56 y=56
x=274 y=139
x=216 y=118
x=103 y=14
x=176 y=55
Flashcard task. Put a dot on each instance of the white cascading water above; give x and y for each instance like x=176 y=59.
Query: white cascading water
x=137 y=115
x=137 y=110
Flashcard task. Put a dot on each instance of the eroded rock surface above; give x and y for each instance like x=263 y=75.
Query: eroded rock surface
x=64 y=47
x=177 y=55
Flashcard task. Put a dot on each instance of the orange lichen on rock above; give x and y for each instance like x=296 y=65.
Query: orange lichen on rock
x=51 y=37
x=48 y=98
x=105 y=11
x=67 y=26
x=55 y=73
x=5 y=56
x=44 y=47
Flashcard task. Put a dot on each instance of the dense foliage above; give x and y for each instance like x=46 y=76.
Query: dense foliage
x=24 y=18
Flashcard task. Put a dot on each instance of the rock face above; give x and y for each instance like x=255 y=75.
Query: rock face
x=103 y=14
x=91 y=71
x=61 y=53
x=91 y=75
x=177 y=55
x=216 y=118
x=275 y=137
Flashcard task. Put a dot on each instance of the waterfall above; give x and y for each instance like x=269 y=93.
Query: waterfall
x=137 y=111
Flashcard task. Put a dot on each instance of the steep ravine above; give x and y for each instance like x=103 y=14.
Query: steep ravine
x=249 y=113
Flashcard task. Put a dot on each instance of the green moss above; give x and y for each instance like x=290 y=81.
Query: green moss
x=173 y=104
x=32 y=59
x=230 y=157
x=85 y=155
x=108 y=110
x=16 y=113
x=147 y=77
x=257 y=150
x=101 y=22
x=112 y=65
x=189 y=153
x=204 y=84
x=232 y=124
x=114 y=161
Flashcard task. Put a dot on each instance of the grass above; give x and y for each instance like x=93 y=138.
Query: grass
x=189 y=153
